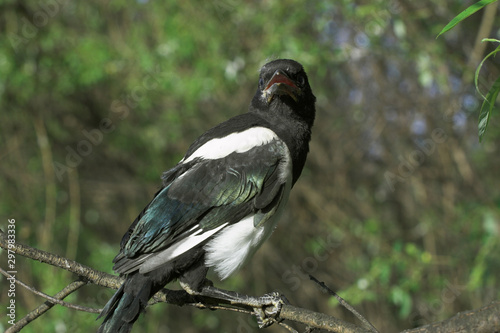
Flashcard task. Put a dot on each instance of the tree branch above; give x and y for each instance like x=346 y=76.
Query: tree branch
x=486 y=319
x=176 y=297
x=482 y=320
x=346 y=305
x=56 y=300
x=288 y=312
x=91 y=275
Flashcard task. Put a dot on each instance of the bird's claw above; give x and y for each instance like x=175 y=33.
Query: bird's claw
x=269 y=309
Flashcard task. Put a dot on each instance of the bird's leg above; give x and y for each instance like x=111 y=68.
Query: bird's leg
x=266 y=307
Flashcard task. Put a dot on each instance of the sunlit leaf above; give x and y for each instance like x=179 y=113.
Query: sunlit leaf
x=487 y=107
x=466 y=13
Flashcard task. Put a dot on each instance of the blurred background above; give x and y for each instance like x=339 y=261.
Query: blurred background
x=397 y=209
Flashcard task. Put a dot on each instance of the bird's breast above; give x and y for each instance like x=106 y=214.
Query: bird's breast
x=236 y=243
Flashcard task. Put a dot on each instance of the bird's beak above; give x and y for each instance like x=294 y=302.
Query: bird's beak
x=280 y=84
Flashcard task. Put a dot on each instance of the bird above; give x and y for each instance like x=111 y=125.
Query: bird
x=220 y=202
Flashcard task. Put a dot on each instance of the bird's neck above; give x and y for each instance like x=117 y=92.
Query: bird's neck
x=294 y=130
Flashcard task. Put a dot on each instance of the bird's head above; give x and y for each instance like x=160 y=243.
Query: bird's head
x=284 y=82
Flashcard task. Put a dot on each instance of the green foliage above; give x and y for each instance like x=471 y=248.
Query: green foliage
x=490 y=243
x=465 y=14
x=487 y=107
x=162 y=72
x=491 y=97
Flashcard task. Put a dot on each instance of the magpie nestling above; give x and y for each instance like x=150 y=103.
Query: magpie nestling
x=220 y=202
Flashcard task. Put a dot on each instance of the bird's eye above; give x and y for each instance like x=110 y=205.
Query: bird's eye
x=301 y=80
x=261 y=83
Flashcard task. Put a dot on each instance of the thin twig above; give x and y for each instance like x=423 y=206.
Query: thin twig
x=220 y=307
x=346 y=305
x=288 y=327
x=40 y=310
x=229 y=308
x=90 y=274
x=51 y=299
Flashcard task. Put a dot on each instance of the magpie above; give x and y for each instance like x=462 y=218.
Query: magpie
x=220 y=202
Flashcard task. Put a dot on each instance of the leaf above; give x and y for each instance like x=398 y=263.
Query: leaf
x=466 y=13
x=487 y=107
x=490 y=40
x=490 y=98
x=476 y=75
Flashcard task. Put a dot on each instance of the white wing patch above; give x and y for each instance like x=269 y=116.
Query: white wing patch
x=233 y=143
x=177 y=249
x=230 y=246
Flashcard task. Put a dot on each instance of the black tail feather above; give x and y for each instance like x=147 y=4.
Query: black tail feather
x=112 y=303
x=123 y=309
x=126 y=305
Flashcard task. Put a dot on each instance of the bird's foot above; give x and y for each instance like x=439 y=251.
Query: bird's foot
x=266 y=308
x=269 y=308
